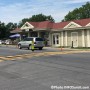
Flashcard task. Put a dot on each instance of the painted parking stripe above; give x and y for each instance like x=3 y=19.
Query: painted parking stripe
x=30 y=55
x=1 y=60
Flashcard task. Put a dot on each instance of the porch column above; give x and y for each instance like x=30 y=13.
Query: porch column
x=88 y=39
x=65 y=38
x=20 y=37
x=61 y=38
x=49 y=38
x=28 y=34
x=83 y=39
x=38 y=34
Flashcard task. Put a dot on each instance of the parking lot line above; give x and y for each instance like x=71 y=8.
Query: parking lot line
x=1 y=60
x=31 y=55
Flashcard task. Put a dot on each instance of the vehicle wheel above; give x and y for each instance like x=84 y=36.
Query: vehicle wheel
x=30 y=47
x=40 y=48
x=19 y=46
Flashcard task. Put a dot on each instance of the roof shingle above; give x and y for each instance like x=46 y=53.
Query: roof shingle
x=60 y=25
x=44 y=24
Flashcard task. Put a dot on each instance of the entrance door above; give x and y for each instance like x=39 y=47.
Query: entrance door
x=56 y=40
x=74 y=38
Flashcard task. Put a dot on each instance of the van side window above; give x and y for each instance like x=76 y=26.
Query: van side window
x=24 y=39
x=29 y=39
x=39 y=39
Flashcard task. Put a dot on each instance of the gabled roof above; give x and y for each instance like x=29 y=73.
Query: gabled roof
x=40 y=25
x=60 y=25
x=35 y=24
x=16 y=30
x=45 y=24
x=82 y=22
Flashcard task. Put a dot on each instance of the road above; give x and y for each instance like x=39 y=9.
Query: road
x=42 y=70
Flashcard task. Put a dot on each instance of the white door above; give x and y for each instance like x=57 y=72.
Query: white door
x=56 y=39
x=74 y=38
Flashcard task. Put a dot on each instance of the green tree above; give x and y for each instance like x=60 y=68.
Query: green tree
x=36 y=18
x=78 y=13
x=2 y=30
x=6 y=28
x=10 y=26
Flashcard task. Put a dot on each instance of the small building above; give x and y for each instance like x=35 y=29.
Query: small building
x=59 y=34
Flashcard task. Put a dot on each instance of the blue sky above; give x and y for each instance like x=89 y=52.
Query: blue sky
x=15 y=10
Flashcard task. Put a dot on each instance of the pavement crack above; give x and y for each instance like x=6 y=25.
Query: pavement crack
x=9 y=75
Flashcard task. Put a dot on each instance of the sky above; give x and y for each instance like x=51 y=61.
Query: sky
x=16 y=10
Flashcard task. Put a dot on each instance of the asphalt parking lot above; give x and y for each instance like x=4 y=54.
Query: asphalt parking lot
x=49 y=69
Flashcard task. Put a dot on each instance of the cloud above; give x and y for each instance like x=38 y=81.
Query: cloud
x=18 y=10
x=76 y=1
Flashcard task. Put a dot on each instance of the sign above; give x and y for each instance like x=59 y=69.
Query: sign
x=27 y=30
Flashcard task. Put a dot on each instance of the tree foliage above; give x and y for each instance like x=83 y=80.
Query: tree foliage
x=36 y=18
x=6 y=28
x=11 y=25
x=2 y=30
x=79 y=13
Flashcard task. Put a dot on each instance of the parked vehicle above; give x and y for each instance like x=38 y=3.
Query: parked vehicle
x=27 y=42
x=7 y=41
x=2 y=42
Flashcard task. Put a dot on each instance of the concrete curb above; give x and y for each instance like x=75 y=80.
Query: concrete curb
x=51 y=48
x=66 y=49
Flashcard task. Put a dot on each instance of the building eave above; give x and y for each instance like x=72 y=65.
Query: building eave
x=16 y=31
x=66 y=29
x=41 y=29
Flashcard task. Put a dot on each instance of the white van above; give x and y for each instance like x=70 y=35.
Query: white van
x=27 y=42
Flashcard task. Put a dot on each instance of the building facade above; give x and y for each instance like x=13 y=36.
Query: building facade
x=64 y=34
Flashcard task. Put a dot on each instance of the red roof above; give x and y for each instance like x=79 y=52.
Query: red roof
x=35 y=24
x=40 y=25
x=16 y=30
x=48 y=24
x=60 y=25
x=82 y=22
x=45 y=24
